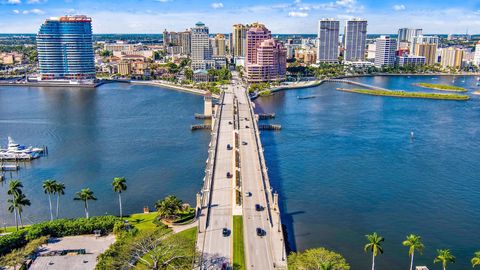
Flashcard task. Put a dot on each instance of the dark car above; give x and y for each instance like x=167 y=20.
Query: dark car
x=248 y=194
x=229 y=122
x=258 y=207
x=229 y=147
x=244 y=143
x=247 y=127
x=229 y=175
x=261 y=232
x=225 y=232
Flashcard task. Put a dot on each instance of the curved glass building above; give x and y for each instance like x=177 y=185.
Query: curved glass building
x=65 y=49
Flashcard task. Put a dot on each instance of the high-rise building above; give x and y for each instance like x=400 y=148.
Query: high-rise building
x=266 y=58
x=407 y=34
x=476 y=57
x=201 y=51
x=429 y=51
x=177 y=42
x=219 y=45
x=421 y=39
x=65 y=48
x=355 y=40
x=239 y=40
x=385 y=51
x=451 y=57
x=328 y=34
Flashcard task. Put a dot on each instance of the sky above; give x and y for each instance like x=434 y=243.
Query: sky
x=280 y=16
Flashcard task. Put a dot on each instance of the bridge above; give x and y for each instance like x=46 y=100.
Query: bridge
x=357 y=84
x=236 y=183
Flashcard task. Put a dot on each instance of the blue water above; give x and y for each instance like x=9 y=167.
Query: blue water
x=345 y=165
x=93 y=135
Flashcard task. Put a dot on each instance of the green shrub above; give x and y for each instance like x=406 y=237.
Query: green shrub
x=67 y=227
x=12 y=241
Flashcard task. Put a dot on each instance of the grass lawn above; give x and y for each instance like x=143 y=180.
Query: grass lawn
x=13 y=229
x=238 y=244
x=143 y=221
x=191 y=233
x=404 y=94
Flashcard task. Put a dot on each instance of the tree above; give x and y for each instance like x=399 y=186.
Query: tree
x=374 y=245
x=161 y=249
x=16 y=206
x=85 y=195
x=317 y=259
x=189 y=74
x=168 y=207
x=413 y=242
x=14 y=187
x=444 y=256
x=49 y=188
x=119 y=185
x=59 y=190
x=476 y=259
x=18 y=256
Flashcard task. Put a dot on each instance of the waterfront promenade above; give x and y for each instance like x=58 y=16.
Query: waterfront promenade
x=224 y=196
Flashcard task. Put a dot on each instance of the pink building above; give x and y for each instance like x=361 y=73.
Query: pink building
x=265 y=57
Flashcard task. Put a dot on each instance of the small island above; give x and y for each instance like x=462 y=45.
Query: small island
x=441 y=87
x=404 y=94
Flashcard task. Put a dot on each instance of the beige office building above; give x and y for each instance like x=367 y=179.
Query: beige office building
x=451 y=57
x=124 y=68
x=219 y=45
x=429 y=51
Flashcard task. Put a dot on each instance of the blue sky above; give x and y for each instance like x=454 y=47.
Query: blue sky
x=289 y=16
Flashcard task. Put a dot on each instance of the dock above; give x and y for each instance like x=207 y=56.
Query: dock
x=265 y=116
x=8 y=168
x=200 y=127
x=270 y=127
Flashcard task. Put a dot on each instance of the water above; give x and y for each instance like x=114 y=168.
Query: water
x=345 y=165
x=93 y=135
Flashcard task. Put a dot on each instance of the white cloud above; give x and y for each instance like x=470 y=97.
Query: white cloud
x=297 y=14
x=36 y=1
x=14 y=2
x=35 y=11
x=399 y=7
x=163 y=1
x=16 y=11
x=217 y=5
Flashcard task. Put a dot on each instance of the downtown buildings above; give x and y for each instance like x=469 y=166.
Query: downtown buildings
x=265 y=58
x=202 y=50
x=65 y=49
x=355 y=40
x=385 y=51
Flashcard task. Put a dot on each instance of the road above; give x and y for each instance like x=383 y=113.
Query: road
x=258 y=249
x=217 y=249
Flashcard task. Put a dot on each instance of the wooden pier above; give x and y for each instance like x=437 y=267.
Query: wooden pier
x=9 y=167
x=202 y=116
x=270 y=127
x=199 y=127
x=264 y=116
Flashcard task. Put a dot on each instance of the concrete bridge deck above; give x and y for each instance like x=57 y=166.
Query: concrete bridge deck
x=235 y=124
x=357 y=84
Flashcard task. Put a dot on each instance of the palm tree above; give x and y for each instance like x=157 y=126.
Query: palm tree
x=168 y=207
x=14 y=188
x=85 y=195
x=476 y=259
x=16 y=206
x=374 y=245
x=413 y=242
x=444 y=256
x=119 y=184
x=59 y=190
x=49 y=188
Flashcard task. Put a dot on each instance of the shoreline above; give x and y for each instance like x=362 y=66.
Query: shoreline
x=405 y=94
x=173 y=87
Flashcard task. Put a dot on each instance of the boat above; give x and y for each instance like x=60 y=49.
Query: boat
x=306 y=97
x=15 y=149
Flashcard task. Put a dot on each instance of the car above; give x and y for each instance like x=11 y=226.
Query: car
x=248 y=194
x=258 y=207
x=229 y=147
x=244 y=143
x=261 y=232
x=225 y=232
x=246 y=119
x=247 y=127
x=229 y=122
x=229 y=175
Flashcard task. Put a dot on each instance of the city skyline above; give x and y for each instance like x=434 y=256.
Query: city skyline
x=282 y=17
